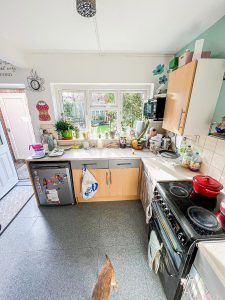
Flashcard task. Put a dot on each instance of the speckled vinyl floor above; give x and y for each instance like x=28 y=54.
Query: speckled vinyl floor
x=56 y=253
x=13 y=201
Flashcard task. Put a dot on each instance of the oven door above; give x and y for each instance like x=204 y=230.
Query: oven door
x=171 y=260
x=168 y=274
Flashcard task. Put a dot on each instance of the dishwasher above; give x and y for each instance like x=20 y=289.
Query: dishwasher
x=53 y=183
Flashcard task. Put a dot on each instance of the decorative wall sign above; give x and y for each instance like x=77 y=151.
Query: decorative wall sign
x=6 y=69
x=43 y=108
x=35 y=83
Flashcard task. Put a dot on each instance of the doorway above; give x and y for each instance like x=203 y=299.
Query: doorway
x=17 y=120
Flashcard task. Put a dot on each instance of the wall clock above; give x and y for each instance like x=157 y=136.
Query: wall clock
x=35 y=83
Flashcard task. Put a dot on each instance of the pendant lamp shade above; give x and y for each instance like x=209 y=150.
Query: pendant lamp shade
x=86 y=8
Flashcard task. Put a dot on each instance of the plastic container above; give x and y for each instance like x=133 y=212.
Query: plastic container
x=195 y=163
x=187 y=157
x=185 y=58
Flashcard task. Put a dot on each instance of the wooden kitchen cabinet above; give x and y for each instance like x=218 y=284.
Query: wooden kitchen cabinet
x=124 y=184
x=178 y=97
x=192 y=95
x=119 y=180
x=101 y=176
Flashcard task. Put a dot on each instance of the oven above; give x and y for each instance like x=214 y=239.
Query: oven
x=172 y=256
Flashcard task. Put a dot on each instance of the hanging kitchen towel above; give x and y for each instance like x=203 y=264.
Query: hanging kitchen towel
x=89 y=184
x=154 y=252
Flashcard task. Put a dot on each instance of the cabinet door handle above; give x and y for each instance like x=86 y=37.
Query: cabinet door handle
x=181 y=114
x=106 y=174
x=110 y=177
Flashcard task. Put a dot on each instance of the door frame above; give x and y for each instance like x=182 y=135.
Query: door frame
x=12 y=181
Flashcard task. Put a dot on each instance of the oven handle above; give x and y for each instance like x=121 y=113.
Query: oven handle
x=163 y=242
x=159 y=225
x=165 y=266
x=176 y=251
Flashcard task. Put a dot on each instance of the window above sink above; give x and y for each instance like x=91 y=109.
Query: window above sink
x=102 y=109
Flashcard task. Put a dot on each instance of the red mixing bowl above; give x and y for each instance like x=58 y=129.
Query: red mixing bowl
x=206 y=186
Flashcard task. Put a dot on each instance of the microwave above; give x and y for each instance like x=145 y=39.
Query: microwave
x=154 y=108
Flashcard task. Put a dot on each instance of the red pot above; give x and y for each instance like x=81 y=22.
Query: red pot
x=206 y=186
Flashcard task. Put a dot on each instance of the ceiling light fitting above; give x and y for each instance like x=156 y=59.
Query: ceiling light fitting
x=86 y=8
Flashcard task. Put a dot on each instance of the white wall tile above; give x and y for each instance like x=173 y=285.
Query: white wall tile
x=207 y=156
x=220 y=147
x=222 y=178
x=215 y=173
x=201 y=140
x=210 y=143
x=218 y=161
x=204 y=168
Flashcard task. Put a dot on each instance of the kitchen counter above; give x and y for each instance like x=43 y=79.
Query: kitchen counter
x=97 y=154
x=159 y=168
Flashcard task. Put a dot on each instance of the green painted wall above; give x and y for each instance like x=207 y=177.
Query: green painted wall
x=215 y=42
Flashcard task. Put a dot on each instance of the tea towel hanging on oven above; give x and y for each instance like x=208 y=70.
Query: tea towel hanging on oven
x=154 y=252
x=89 y=184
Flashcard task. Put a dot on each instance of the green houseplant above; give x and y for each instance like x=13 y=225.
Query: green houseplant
x=65 y=127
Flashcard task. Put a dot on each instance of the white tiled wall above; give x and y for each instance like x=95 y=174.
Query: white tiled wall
x=213 y=156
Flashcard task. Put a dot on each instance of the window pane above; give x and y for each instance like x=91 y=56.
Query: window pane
x=132 y=108
x=74 y=107
x=103 y=121
x=102 y=98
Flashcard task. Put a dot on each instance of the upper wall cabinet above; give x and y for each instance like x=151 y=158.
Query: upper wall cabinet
x=192 y=95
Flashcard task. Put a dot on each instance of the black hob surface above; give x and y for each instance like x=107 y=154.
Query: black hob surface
x=182 y=199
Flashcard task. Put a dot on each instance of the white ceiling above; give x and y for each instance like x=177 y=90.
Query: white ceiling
x=136 y=26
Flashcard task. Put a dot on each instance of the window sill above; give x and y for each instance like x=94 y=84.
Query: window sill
x=92 y=142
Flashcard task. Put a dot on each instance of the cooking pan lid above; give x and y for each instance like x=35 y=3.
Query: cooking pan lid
x=208 y=182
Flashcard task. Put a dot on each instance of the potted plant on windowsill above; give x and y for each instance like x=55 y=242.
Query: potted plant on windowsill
x=65 y=128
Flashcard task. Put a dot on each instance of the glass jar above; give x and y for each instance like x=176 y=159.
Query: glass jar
x=187 y=157
x=195 y=163
x=183 y=146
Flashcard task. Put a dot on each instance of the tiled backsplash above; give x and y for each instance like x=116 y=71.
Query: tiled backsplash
x=213 y=156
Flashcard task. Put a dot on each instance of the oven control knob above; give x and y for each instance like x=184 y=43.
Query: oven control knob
x=170 y=216
x=163 y=204
x=166 y=210
x=181 y=237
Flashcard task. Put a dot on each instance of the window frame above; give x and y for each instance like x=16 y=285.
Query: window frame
x=87 y=89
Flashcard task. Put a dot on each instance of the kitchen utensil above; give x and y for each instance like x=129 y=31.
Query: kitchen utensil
x=206 y=186
x=166 y=142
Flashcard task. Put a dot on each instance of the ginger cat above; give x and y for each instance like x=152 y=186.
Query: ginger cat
x=106 y=279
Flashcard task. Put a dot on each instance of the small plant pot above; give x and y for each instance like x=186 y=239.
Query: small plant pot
x=67 y=134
